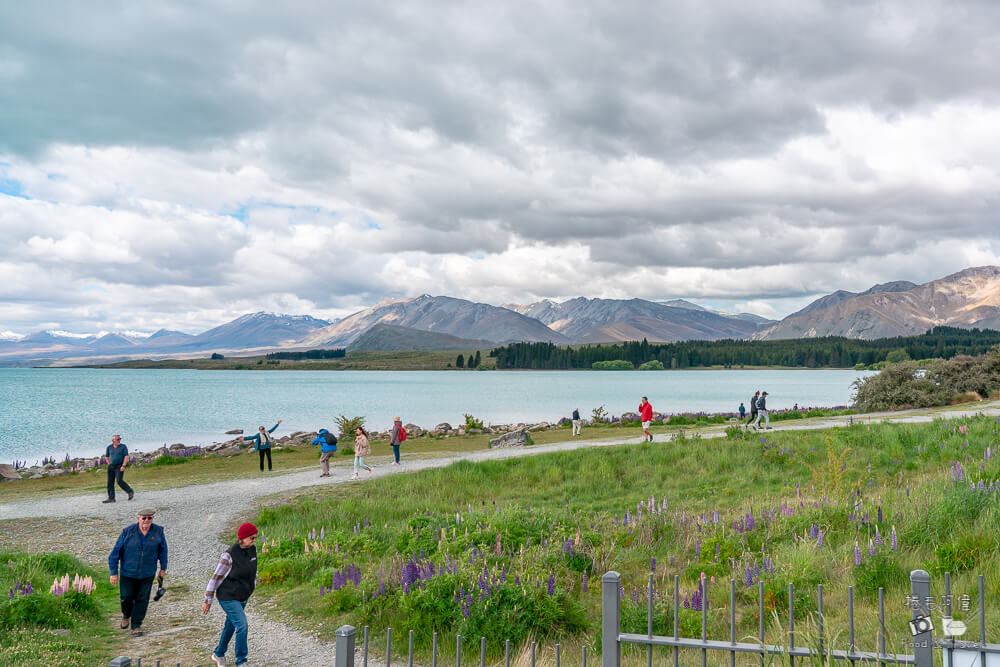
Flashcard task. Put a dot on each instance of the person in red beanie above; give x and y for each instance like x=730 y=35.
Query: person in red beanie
x=233 y=583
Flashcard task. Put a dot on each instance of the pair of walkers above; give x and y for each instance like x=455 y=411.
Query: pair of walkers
x=758 y=409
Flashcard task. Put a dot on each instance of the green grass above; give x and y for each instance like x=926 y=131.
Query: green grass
x=787 y=480
x=86 y=636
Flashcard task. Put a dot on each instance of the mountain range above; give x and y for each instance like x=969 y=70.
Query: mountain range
x=969 y=298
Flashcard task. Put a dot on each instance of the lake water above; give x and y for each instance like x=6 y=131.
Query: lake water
x=52 y=412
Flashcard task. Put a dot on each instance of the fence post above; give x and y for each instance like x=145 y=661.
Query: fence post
x=611 y=617
x=344 y=651
x=923 y=643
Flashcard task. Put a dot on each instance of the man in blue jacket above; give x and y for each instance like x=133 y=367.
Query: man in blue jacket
x=133 y=567
x=327 y=445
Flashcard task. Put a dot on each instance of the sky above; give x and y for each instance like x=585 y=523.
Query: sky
x=179 y=164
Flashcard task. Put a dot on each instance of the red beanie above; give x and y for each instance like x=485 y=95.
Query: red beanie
x=246 y=530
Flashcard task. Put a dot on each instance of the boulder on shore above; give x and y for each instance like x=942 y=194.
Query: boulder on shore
x=235 y=431
x=8 y=474
x=512 y=439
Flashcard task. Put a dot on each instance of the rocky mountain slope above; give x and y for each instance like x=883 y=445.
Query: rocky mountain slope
x=969 y=298
x=441 y=314
x=391 y=337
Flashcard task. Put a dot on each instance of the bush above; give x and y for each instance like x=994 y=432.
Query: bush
x=653 y=365
x=878 y=571
x=471 y=423
x=616 y=365
x=599 y=415
x=348 y=426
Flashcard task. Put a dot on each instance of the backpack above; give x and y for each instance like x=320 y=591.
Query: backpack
x=331 y=439
x=402 y=433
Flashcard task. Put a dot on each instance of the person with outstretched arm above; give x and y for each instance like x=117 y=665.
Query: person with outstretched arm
x=262 y=443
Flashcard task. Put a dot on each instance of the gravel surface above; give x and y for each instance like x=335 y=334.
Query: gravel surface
x=194 y=517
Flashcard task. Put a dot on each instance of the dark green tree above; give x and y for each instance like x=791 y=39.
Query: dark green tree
x=460 y=361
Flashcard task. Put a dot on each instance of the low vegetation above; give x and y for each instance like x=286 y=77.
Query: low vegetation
x=921 y=384
x=462 y=549
x=44 y=624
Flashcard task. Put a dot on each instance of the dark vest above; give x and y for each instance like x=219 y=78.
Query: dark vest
x=240 y=583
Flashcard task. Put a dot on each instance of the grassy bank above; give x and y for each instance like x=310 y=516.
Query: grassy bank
x=38 y=628
x=463 y=549
x=434 y=360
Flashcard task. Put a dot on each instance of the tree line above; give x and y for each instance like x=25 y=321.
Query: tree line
x=827 y=352
x=308 y=354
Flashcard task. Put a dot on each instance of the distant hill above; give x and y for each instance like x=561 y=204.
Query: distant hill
x=840 y=295
x=256 y=330
x=967 y=299
x=390 y=337
x=440 y=314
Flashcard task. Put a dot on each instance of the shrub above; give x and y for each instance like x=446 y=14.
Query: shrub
x=964 y=553
x=349 y=425
x=471 y=422
x=616 y=365
x=652 y=365
x=599 y=415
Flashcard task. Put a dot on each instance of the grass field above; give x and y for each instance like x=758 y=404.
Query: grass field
x=500 y=549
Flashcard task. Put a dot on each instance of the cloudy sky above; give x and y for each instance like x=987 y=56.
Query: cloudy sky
x=179 y=164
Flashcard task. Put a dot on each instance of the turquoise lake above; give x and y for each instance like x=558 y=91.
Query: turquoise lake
x=52 y=412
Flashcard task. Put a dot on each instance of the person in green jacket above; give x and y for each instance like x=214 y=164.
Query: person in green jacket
x=262 y=444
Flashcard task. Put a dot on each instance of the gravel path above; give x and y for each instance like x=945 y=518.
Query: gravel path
x=195 y=516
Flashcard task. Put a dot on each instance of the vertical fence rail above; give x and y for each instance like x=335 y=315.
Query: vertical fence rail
x=344 y=648
x=611 y=619
x=920 y=588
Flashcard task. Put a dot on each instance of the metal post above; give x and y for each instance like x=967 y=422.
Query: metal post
x=920 y=589
x=344 y=649
x=388 y=647
x=410 y=661
x=364 y=653
x=611 y=619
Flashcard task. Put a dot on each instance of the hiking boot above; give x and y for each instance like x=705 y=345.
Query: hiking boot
x=131 y=495
x=219 y=660
x=109 y=500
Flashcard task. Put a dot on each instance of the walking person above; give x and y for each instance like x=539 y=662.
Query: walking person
x=743 y=411
x=262 y=444
x=132 y=563
x=232 y=584
x=397 y=438
x=762 y=412
x=328 y=445
x=118 y=459
x=646 y=417
x=576 y=421
x=753 y=407
x=362 y=448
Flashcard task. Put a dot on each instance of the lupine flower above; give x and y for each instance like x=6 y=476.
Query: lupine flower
x=871 y=548
x=819 y=539
x=878 y=537
x=697 y=549
x=857 y=554
x=652 y=564
x=893 y=541
x=584 y=588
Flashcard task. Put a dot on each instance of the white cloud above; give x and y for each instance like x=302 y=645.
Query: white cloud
x=278 y=162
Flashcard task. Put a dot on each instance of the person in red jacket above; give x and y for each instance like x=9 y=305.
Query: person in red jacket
x=646 y=416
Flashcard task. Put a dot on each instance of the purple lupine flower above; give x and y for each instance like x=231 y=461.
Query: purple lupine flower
x=697 y=549
x=871 y=548
x=813 y=531
x=584 y=588
x=819 y=539
x=716 y=552
x=652 y=564
x=893 y=541
x=671 y=561
x=748 y=580
x=878 y=537
x=857 y=554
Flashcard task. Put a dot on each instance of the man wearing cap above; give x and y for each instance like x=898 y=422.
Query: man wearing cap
x=133 y=567
x=117 y=454
x=232 y=583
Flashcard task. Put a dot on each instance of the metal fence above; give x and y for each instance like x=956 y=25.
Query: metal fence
x=952 y=651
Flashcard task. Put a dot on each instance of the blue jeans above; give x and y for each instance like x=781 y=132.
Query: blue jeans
x=395 y=452
x=236 y=622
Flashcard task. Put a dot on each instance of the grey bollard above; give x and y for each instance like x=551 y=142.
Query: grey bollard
x=344 y=651
x=121 y=661
x=611 y=619
x=923 y=643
